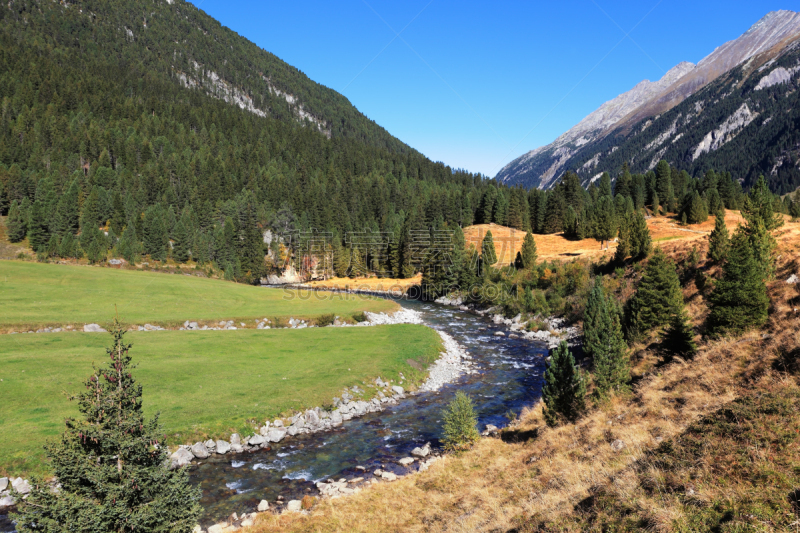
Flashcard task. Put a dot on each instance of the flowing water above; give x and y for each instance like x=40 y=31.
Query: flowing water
x=510 y=376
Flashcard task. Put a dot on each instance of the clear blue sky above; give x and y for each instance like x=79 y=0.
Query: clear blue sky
x=476 y=84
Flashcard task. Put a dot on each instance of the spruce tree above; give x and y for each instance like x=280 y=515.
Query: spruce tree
x=181 y=246
x=38 y=233
x=640 y=241
x=761 y=219
x=739 y=300
x=658 y=296
x=718 y=241
x=67 y=217
x=155 y=237
x=488 y=253
x=564 y=391
x=16 y=223
x=606 y=227
x=604 y=342
x=129 y=246
x=528 y=252
x=460 y=429
x=111 y=464
x=678 y=339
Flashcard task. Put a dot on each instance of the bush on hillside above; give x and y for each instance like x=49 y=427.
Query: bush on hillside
x=460 y=423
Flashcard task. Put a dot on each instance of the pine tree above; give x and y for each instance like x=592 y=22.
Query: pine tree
x=718 y=241
x=129 y=246
x=639 y=237
x=656 y=206
x=624 y=240
x=155 y=238
x=251 y=243
x=606 y=227
x=761 y=219
x=528 y=252
x=460 y=429
x=111 y=464
x=488 y=253
x=564 y=391
x=117 y=222
x=678 y=339
x=17 y=222
x=181 y=246
x=38 y=232
x=604 y=342
x=739 y=300
x=658 y=296
x=67 y=217
x=94 y=243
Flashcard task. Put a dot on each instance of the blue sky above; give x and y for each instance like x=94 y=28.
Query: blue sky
x=476 y=84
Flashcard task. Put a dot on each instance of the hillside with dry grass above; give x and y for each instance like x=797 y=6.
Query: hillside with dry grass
x=508 y=241
x=708 y=444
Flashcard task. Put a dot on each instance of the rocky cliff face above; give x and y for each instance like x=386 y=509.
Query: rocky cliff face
x=543 y=166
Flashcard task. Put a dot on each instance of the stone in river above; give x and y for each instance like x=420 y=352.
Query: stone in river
x=257 y=440
x=405 y=461
x=263 y=506
x=199 y=450
x=181 y=457
x=211 y=445
x=93 y=328
x=3 y=483
x=398 y=389
x=276 y=434
x=235 y=439
x=388 y=476
x=422 y=452
x=21 y=485
x=223 y=447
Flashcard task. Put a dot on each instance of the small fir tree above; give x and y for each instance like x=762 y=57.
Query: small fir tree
x=17 y=222
x=739 y=300
x=38 y=233
x=156 y=238
x=460 y=423
x=641 y=243
x=604 y=342
x=719 y=241
x=658 y=296
x=111 y=464
x=488 y=253
x=528 y=252
x=564 y=391
x=181 y=246
x=678 y=339
x=760 y=220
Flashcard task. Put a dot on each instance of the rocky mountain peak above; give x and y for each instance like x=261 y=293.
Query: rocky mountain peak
x=542 y=167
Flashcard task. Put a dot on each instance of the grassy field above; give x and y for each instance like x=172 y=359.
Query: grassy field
x=204 y=383
x=37 y=294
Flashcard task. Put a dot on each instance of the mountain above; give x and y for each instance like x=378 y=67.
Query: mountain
x=766 y=39
x=179 y=138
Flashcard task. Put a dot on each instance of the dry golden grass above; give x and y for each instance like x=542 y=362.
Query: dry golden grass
x=536 y=474
x=368 y=284
x=508 y=241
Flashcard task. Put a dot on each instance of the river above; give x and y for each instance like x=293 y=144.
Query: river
x=510 y=377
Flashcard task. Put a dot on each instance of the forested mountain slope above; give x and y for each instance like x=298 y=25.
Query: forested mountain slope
x=107 y=123
x=172 y=39
x=628 y=115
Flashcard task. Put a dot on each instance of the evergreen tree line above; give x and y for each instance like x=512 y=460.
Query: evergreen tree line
x=738 y=302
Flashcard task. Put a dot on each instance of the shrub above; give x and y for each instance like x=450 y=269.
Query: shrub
x=326 y=320
x=460 y=423
x=360 y=317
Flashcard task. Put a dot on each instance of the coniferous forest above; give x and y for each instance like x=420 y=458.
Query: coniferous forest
x=117 y=140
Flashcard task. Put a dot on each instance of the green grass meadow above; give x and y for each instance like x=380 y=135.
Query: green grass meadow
x=204 y=383
x=37 y=295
